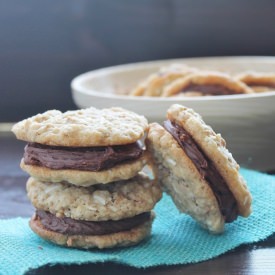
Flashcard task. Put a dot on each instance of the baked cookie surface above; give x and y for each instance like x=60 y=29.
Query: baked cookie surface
x=114 y=201
x=81 y=128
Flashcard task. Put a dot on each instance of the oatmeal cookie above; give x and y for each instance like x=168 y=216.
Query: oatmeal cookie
x=259 y=82
x=197 y=170
x=83 y=147
x=82 y=128
x=100 y=202
x=85 y=178
x=206 y=83
x=155 y=83
x=119 y=239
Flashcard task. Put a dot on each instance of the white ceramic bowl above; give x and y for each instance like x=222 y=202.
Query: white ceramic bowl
x=245 y=121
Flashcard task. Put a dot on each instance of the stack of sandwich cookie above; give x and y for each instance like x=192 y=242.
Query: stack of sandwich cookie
x=85 y=180
x=197 y=170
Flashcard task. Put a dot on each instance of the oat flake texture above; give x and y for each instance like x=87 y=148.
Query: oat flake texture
x=86 y=127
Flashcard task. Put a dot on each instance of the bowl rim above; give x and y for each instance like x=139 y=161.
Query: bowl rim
x=77 y=82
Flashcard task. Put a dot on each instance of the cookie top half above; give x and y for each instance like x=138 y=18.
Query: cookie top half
x=81 y=128
x=119 y=200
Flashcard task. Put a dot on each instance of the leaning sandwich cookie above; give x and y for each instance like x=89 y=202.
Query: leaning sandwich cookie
x=83 y=147
x=197 y=170
x=85 y=182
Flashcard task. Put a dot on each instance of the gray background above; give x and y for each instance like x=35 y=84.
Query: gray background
x=44 y=44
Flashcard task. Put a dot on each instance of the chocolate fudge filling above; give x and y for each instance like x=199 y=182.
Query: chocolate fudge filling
x=80 y=158
x=257 y=84
x=209 y=89
x=227 y=202
x=76 y=227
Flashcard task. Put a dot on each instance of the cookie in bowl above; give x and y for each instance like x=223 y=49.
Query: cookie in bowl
x=259 y=82
x=155 y=83
x=205 y=84
x=196 y=169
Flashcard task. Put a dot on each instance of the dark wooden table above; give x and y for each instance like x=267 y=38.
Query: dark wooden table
x=257 y=258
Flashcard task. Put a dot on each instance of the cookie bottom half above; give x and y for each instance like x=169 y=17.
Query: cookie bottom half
x=119 y=239
x=122 y=171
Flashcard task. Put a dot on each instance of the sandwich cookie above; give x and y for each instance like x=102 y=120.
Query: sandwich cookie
x=206 y=84
x=196 y=169
x=155 y=83
x=83 y=147
x=102 y=215
x=259 y=82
